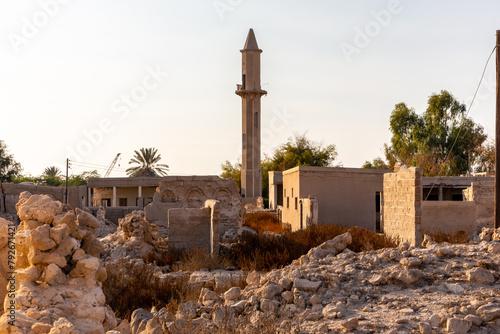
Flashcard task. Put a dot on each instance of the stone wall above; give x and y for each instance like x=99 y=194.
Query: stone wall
x=482 y=193
x=447 y=216
x=309 y=207
x=9 y=195
x=401 y=211
x=195 y=227
x=182 y=192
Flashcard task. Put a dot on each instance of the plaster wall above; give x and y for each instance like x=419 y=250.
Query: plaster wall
x=448 y=216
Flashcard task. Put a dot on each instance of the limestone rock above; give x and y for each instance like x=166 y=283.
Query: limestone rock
x=306 y=285
x=269 y=290
x=458 y=326
x=480 y=276
x=350 y=324
x=232 y=294
x=489 y=312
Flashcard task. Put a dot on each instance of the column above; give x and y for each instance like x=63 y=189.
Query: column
x=113 y=202
x=440 y=192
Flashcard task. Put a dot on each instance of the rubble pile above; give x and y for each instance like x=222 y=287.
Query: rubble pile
x=439 y=288
x=56 y=287
x=106 y=226
x=135 y=238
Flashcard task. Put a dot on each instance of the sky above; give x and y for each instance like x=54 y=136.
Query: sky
x=86 y=80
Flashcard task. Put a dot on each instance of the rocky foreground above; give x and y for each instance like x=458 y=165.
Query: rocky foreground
x=436 y=288
x=440 y=288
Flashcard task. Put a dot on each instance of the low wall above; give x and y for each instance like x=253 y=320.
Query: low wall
x=114 y=213
x=448 y=216
x=189 y=227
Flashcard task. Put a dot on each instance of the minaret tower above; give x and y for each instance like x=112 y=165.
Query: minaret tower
x=250 y=92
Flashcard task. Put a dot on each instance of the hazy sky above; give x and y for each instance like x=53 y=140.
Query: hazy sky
x=86 y=80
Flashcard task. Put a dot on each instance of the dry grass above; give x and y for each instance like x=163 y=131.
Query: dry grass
x=459 y=237
x=129 y=287
x=262 y=222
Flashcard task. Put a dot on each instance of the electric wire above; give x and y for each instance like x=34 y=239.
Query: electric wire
x=461 y=124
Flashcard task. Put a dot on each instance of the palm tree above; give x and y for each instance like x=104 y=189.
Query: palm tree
x=52 y=171
x=147 y=160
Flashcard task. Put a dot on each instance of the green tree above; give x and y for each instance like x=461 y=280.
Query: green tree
x=230 y=171
x=81 y=179
x=9 y=168
x=51 y=176
x=297 y=151
x=377 y=163
x=441 y=141
x=147 y=159
x=52 y=171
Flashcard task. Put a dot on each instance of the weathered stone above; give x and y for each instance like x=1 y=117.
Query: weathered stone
x=425 y=328
x=475 y=320
x=488 y=312
x=286 y=283
x=480 y=276
x=41 y=208
x=409 y=276
x=269 y=290
x=40 y=238
x=458 y=326
x=410 y=262
x=350 y=324
x=86 y=219
x=139 y=320
x=332 y=310
x=232 y=294
x=306 y=285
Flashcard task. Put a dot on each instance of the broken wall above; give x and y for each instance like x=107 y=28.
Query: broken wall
x=195 y=227
x=482 y=193
x=192 y=192
x=401 y=211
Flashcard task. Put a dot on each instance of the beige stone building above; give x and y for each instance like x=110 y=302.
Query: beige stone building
x=328 y=195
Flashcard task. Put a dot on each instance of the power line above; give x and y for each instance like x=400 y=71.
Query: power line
x=461 y=124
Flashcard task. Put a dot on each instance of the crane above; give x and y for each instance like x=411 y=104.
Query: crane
x=113 y=163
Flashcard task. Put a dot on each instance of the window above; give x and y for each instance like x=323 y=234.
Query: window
x=243 y=84
x=296 y=205
x=256 y=119
x=288 y=202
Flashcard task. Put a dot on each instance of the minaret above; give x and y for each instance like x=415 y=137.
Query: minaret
x=250 y=92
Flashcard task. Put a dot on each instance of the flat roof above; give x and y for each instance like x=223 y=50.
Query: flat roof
x=336 y=170
x=454 y=181
x=144 y=181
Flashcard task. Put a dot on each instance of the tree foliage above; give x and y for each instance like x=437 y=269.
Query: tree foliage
x=9 y=168
x=148 y=166
x=297 y=151
x=443 y=140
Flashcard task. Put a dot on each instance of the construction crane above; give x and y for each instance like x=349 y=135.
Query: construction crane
x=113 y=163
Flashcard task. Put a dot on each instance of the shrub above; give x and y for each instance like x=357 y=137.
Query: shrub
x=459 y=237
x=262 y=222
x=131 y=286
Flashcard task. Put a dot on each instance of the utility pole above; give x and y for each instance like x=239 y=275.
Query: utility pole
x=66 y=197
x=497 y=138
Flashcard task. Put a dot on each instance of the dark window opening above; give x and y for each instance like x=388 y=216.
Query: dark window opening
x=296 y=201
x=279 y=200
x=377 y=211
x=122 y=202
x=243 y=84
x=244 y=141
x=288 y=202
x=106 y=202
x=256 y=119
x=457 y=197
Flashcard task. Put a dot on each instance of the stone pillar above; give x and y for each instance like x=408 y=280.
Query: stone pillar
x=214 y=226
x=440 y=192
x=402 y=209
x=139 y=191
x=90 y=200
x=113 y=201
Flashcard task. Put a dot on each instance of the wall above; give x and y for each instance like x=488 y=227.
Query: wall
x=190 y=227
x=9 y=195
x=447 y=216
x=482 y=193
x=346 y=196
x=401 y=210
x=275 y=189
x=309 y=207
x=192 y=192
